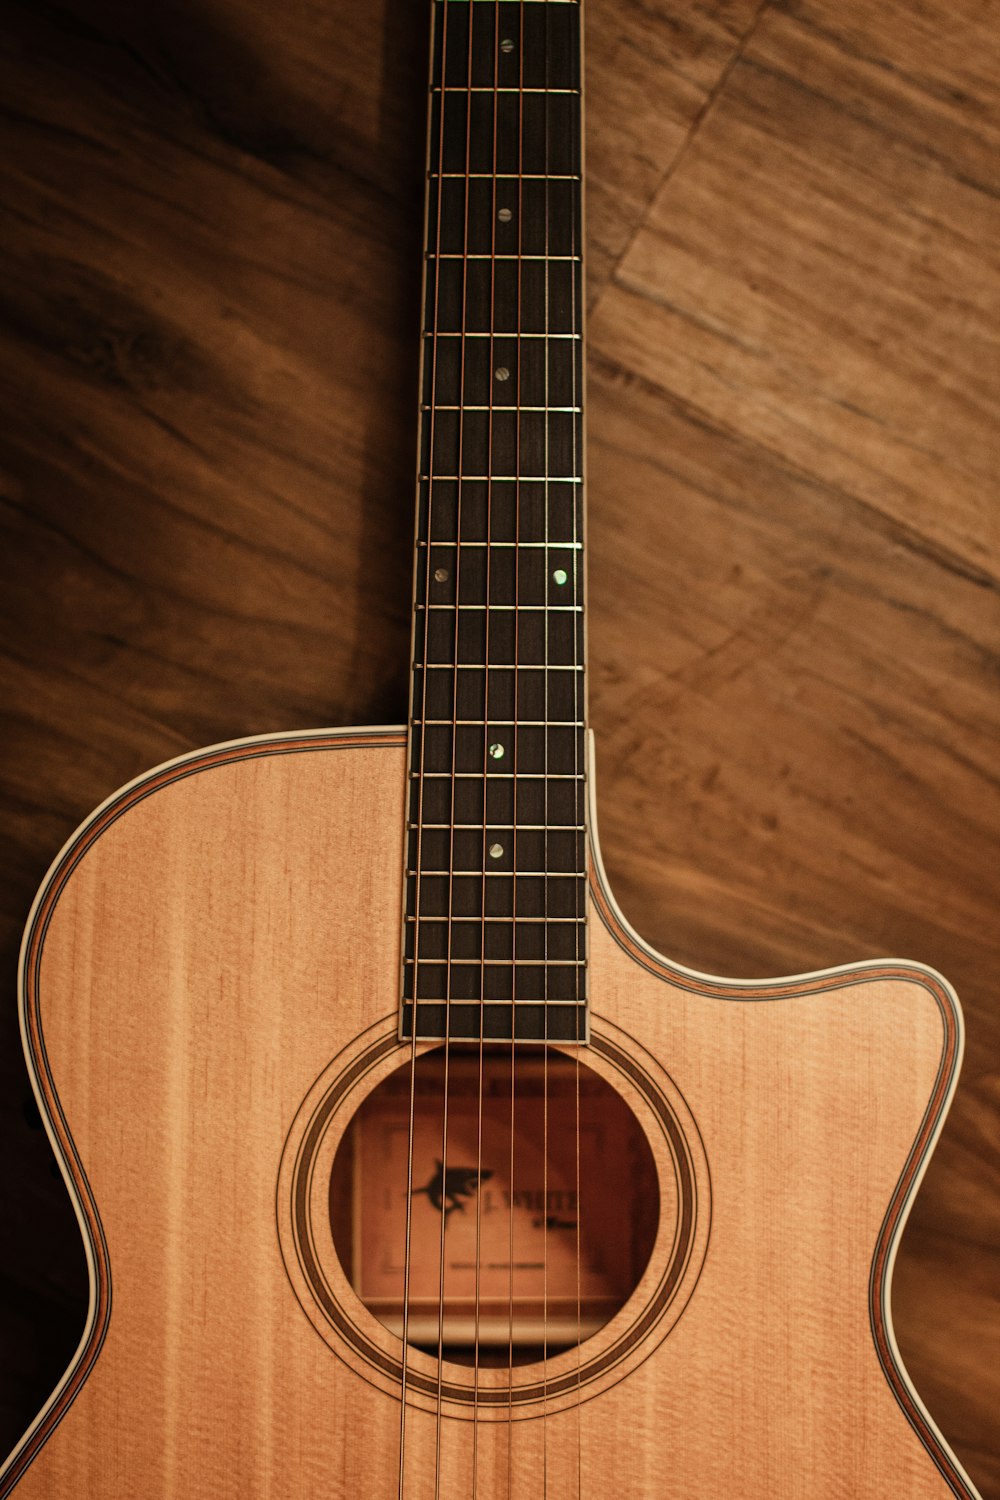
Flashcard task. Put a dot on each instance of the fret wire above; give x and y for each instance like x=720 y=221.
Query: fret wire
x=501 y=478
x=506 y=827
x=507 y=177
x=516 y=1006
x=506 y=874
x=494 y=334
x=535 y=667
x=425 y=1000
x=485 y=255
x=482 y=88
x=515 y=1018
x=507 y=724
x=565 y=609
x=499 y=776
x=430 y=917
x=491 y=1002
x=493 y=666
x=467 y=406
x=551 y=546
x=500 y=963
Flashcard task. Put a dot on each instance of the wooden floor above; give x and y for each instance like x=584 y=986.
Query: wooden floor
x=208 y=287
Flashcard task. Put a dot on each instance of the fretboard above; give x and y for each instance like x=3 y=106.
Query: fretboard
x=495 y=933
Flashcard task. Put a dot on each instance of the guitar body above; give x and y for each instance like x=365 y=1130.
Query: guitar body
x=211 y=984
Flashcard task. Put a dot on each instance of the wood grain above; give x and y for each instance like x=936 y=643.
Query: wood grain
x=209 y=293
x=195 y=980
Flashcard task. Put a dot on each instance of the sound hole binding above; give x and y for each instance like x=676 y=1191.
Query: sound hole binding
x=578 y=1373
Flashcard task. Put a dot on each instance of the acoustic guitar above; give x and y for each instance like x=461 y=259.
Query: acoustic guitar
x=403 y=1166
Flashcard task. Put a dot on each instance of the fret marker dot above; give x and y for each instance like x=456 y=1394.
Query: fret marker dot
x=440 y=575
x=505 y=216
x=560 y=576
x=502 y=372
x=506 y=45
x=496 y=751
x=496 y=851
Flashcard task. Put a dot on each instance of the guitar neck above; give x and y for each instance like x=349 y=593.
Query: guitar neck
x=495 y=935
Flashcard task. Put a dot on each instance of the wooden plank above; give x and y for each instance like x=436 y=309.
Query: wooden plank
x=651 y=73
x=811 y=308
x=819 y=275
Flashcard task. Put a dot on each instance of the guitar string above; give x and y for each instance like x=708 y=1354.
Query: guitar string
x=517 y=531
x=515 y=747
x=579 y=707
x=545 y=819
x=482 y=1054
x=454 y=726
x=456 y=644
x=418 y=859
x=487 y=550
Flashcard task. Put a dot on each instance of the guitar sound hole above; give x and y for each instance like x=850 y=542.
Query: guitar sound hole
x=539 y=1200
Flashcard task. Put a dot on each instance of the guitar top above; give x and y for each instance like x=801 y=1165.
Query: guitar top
x=401 y=1164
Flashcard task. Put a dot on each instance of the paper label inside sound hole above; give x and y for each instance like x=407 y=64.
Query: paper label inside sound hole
x=547 y=1225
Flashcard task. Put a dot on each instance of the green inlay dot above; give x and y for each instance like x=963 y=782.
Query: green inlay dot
x=560 y=576
x=496 y=751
